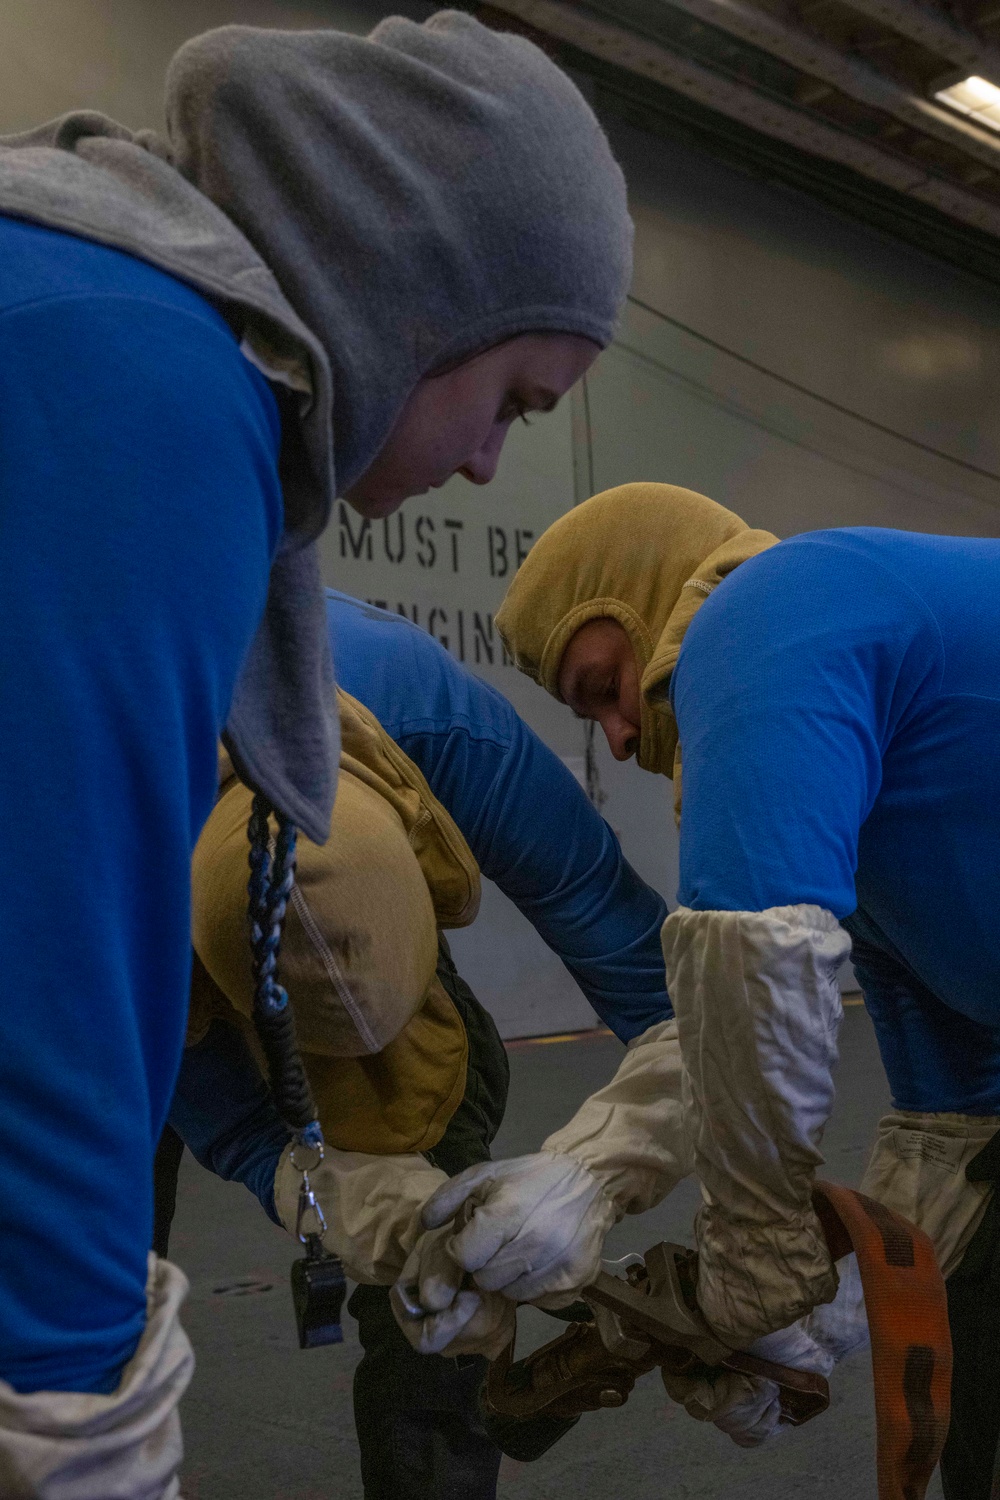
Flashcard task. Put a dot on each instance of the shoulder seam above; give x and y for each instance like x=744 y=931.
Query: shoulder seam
x=57 y=298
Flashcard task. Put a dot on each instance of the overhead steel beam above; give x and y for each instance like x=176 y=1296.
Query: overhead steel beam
x=935 y=30
x=823 y=61
x=613 y=44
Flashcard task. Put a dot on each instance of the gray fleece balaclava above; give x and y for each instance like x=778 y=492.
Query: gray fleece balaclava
x=420 y=194
x=362 y=211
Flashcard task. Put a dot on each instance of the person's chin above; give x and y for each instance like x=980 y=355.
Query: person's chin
x=376 y=505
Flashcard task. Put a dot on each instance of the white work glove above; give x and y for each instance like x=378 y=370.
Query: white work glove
x=537 y=1227
x=917 y=1167
x=371 y=1205
x=758 y=1010
x=438 y=1315
x=538 y=1222
x=748 y=1408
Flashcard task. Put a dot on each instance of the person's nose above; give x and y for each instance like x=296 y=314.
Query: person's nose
x=482 y=466
x=622 y=738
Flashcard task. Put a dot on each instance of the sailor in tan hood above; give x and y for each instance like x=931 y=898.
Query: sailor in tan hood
x=835 y=701
x=597 y=615
x=644 y=556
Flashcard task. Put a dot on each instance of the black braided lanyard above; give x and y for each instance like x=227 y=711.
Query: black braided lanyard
x=272 y=877
x=269 y=889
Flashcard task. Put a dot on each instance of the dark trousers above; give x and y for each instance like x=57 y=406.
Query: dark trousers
x=970 y=1454
x=967 y=1465
x=417 y=1415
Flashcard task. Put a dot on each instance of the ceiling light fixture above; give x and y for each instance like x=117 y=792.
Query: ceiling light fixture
x=975 y=97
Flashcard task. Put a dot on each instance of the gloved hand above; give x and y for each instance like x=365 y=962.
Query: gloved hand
x=748 y=1409
x=537 y=1227
x=539 y=1222
x=438 y=1315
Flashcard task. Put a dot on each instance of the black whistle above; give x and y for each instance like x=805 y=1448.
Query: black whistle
x=318 y=1291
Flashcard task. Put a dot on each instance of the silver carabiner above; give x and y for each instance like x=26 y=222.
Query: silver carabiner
x=308 y=1202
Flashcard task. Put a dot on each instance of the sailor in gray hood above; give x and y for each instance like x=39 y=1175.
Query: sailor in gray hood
x=351 y=264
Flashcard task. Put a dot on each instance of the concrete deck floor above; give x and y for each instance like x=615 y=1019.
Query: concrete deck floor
x=266 y=1421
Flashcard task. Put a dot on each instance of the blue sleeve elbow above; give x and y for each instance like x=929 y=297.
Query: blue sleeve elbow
x=225 y=1115
x=549 y=850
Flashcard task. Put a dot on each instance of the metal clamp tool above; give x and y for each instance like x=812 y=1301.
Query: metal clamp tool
x=646 y=1318
x=646 y=1314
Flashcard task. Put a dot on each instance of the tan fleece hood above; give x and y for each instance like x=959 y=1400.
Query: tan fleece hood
x=383 y=1045
x=646 y=555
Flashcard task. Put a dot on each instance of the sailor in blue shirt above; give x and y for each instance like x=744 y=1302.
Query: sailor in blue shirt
x=534 y=832
x=836 y=701
x=526 y=820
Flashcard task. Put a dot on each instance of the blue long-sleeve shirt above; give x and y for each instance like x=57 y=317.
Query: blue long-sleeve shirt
x=140 y=507
x=523 y=814
x=838 y=699
x=530 y=827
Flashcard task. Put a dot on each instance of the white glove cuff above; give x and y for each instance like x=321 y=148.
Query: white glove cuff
x=371 y=1204
x=758 y=1009
x=917 y=1167
x=748 y=1270
x=68 y=1445
x=632 y=1134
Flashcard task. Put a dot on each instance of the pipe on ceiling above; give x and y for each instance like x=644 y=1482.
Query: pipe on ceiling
x=624 y=49
x=933 y=29
x=821 y=60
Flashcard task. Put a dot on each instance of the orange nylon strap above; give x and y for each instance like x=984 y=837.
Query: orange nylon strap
x=908 y=1321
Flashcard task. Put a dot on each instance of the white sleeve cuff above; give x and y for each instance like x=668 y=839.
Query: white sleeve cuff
x=918 y=1167
x=632 y=1134
x=758 y=1010
x=371 y=1204
x=73 y=1445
